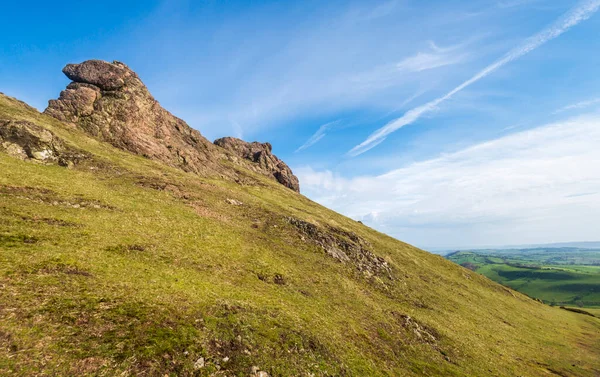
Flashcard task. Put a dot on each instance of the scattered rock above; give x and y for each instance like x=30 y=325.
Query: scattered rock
x=199 y=364
x=234 y=202
x=263 y=161
x=279 y=279
x=422 y=333
x=256 y=372
x=344 y=246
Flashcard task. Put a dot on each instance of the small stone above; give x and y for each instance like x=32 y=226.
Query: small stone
x=225 y=359
x=199 y=364
x=234 y=202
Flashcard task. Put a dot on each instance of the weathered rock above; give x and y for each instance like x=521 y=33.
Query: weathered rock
x=234 y=202
x=264 y=161
x=256 y=372
x=346 y=247
x=110 y=102
x=102 y=74
x=199 y=364
x=28 y=141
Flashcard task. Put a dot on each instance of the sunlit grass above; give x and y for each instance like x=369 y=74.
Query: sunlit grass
x=150 y=280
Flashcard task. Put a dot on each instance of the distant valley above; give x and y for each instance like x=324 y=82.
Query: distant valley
x=568 y=275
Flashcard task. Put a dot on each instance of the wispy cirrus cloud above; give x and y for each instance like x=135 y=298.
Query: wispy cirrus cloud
x=435 y=58
x=534 y=186
x=578 y=14
x=579 y=105
x=317 y=136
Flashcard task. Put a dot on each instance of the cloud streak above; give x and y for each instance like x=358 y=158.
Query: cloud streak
x=578 y=14
x=579 y=105
x=317 y=136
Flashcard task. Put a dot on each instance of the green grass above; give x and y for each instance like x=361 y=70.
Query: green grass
x=102 y=272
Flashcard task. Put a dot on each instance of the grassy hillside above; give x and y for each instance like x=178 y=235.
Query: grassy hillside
x=556 y=276
x=123 y=266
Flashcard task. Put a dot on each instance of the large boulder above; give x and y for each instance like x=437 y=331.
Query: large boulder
x=263 y=160
x=104 y=75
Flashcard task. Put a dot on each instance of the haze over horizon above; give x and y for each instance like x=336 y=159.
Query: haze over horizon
x=440 y=124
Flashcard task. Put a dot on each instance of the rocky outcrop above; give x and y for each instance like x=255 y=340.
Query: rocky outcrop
x=111 y=103
x=263 y=160
x=344 y=246
x=28 y=141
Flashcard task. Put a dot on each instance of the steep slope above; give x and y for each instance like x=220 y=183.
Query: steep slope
x=116 y=264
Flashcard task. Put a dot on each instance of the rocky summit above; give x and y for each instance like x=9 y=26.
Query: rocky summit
x=111 y=103
x=263 y=160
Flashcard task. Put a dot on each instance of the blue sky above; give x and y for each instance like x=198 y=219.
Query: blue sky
x=442 y=123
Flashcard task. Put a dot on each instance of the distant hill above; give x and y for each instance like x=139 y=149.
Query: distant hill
x=132 y=246
x=576 y=245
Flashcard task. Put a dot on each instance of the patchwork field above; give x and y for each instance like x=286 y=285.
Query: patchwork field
x=563 y=276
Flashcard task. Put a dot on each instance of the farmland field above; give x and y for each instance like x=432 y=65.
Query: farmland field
x=557 y=276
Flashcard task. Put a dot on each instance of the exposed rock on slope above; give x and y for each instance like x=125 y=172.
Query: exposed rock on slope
x=346 y=247
x=28 y=141
x=263 y=160
x=110 y=102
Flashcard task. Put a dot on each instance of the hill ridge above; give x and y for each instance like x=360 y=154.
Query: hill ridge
x=117 y=264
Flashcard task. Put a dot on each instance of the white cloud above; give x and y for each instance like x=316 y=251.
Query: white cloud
x=580 y=13
x=536 y=186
